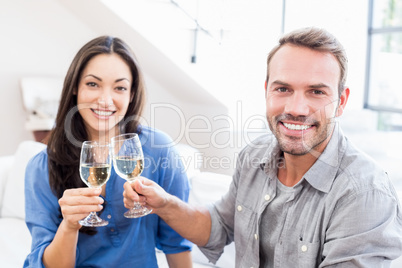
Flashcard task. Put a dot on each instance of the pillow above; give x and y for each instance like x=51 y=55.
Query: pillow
x=5 y=165
x=206 y=188
x=191 y=159
x=14 y=197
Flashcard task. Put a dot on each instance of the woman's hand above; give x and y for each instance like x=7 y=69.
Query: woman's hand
x=77 y=203
x=145 y=191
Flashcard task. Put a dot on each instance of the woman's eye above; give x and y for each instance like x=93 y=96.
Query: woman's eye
x=121 y=88
x=91 y=84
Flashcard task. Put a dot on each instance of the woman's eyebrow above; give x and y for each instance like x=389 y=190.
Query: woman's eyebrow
x=94 y=76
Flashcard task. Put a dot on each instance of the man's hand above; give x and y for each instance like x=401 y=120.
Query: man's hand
x=146 y=192
x=193 y=223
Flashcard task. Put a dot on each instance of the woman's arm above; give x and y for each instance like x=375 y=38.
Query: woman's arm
x=75 y=205
x=180 y=260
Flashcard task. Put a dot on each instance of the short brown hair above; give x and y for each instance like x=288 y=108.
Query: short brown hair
x=316 y=39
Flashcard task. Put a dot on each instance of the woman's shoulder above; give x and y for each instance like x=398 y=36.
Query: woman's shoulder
x=155 y=138
x=38 y=161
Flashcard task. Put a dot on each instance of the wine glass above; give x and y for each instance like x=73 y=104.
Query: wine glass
x=128 y=162
x=95 y=168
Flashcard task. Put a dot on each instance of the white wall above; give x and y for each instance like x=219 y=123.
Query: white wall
x=345 y=19
x=41 y=37
x=38 y=38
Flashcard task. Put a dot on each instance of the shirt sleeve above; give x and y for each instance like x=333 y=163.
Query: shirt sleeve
x=41 y=209
x=365 y=231
x=173 y=179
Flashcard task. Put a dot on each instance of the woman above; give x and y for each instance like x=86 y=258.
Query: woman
x=103 y=96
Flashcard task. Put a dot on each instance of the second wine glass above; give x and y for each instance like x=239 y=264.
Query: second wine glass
x=128 y=162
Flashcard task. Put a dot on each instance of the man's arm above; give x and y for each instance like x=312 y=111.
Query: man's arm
x=191 y=222
x=364 y=231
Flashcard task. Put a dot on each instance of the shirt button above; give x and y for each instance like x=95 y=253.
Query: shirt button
x=256 y=236
x=304 y=248
x=239 y=208
x=112 y=230
x=109 y=216
x=267 y=197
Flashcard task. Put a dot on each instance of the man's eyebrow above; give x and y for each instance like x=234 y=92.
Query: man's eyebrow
x=281 y=83
x=319 y=85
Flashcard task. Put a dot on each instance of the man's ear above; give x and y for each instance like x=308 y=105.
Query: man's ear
x=342 y=101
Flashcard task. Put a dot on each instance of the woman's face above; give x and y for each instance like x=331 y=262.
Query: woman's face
x=104 y=95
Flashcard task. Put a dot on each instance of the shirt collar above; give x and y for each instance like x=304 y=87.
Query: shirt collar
x=322 y=174
x=271 y=158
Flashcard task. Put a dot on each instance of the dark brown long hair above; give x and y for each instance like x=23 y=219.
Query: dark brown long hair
x=64 y=145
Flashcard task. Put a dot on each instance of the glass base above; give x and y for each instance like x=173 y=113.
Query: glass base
x=92 y=220
x=137 y=212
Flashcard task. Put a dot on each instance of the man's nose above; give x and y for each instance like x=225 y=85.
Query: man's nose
x=297 y=105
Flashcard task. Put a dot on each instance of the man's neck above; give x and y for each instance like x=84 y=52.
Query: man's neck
x=293 y=168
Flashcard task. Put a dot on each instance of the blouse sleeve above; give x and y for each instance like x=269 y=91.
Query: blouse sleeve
x=173 y=179
x=41 y=209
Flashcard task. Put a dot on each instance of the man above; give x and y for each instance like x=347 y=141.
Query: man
x=314 y=200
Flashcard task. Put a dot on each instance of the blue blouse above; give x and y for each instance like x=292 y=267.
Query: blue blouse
x=123 y=242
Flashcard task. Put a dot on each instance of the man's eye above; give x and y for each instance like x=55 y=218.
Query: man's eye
x=282 y=89
x=318 y=92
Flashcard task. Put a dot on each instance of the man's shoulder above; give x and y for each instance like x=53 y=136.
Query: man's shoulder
x=361 y=172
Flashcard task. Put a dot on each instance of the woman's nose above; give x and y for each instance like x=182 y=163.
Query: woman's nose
x=105 y=100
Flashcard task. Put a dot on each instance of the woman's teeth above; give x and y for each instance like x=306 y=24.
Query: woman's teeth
x=103 y=113
x=296 y=127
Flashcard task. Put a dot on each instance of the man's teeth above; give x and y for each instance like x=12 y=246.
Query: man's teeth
x=296 y=127
x=103 y=113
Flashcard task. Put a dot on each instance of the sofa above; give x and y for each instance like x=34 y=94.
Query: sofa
x=15 y=239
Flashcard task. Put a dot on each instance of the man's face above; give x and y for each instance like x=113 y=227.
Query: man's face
x=302 y=98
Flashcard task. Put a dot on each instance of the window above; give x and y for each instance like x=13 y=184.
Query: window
x=383 y=76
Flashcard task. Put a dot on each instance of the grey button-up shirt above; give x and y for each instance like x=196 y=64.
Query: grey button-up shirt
x=346 y=213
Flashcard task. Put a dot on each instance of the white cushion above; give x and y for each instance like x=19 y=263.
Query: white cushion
x=15 y=242
x=14 y=197
x=206 y=188
x=5 y=166
x=191 y=159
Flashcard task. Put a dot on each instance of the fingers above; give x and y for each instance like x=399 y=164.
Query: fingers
x=76 y=204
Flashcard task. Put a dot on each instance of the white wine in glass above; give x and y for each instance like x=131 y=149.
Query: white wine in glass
x=95 y=168
x=128 y=162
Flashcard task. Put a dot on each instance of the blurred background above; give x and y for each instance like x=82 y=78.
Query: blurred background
x=205 y=64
